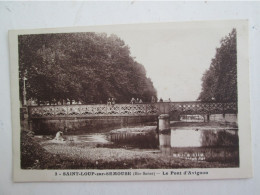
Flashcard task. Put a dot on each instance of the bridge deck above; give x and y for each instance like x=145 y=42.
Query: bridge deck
x=182 y=108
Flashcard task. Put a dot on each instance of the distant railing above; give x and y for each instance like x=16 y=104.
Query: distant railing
x=204 y=107
x=131 y=109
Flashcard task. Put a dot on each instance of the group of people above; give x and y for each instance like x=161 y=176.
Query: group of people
x=153 y=100
x=136 y=101
x=161 y=100
x=111 y=101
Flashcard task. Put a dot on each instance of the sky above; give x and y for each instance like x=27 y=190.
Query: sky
x=175 y=56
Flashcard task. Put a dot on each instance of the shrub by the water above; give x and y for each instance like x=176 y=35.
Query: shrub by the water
x=33 y=156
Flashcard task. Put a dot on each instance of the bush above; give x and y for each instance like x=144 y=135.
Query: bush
x=33 y=156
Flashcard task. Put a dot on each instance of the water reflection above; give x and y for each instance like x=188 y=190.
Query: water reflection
x=202 y=138
x=144 y=140
x=198 y=145
x=88 y=138
x=201 y=145
x=185 y=138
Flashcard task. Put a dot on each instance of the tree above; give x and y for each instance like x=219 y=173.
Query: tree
x=219 y=82
x=86 y=67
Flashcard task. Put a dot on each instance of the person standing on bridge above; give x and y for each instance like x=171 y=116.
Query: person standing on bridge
x=113 y=101
x=109 y=101
x=132 y=101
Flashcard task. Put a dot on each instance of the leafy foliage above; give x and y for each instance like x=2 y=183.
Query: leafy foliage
x=86 y=67
x=219 y=82
x=33 y=156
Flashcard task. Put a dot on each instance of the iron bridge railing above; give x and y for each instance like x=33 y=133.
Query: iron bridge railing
x=182 y=108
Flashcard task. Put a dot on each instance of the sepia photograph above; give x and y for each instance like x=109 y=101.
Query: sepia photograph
x=129 y=97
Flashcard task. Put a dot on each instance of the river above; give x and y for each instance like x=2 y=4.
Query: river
x=199 y=144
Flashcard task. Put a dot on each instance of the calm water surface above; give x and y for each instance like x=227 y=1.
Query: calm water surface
x=199 y=145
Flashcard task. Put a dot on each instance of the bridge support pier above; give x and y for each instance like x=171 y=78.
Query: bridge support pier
x=164 y=123
x=164 y=133
x=208 y=117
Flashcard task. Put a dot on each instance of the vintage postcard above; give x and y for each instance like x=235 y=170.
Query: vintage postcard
x=133 y=102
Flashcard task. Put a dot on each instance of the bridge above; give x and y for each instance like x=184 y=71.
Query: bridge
x=78 y=117
x=182 y=108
